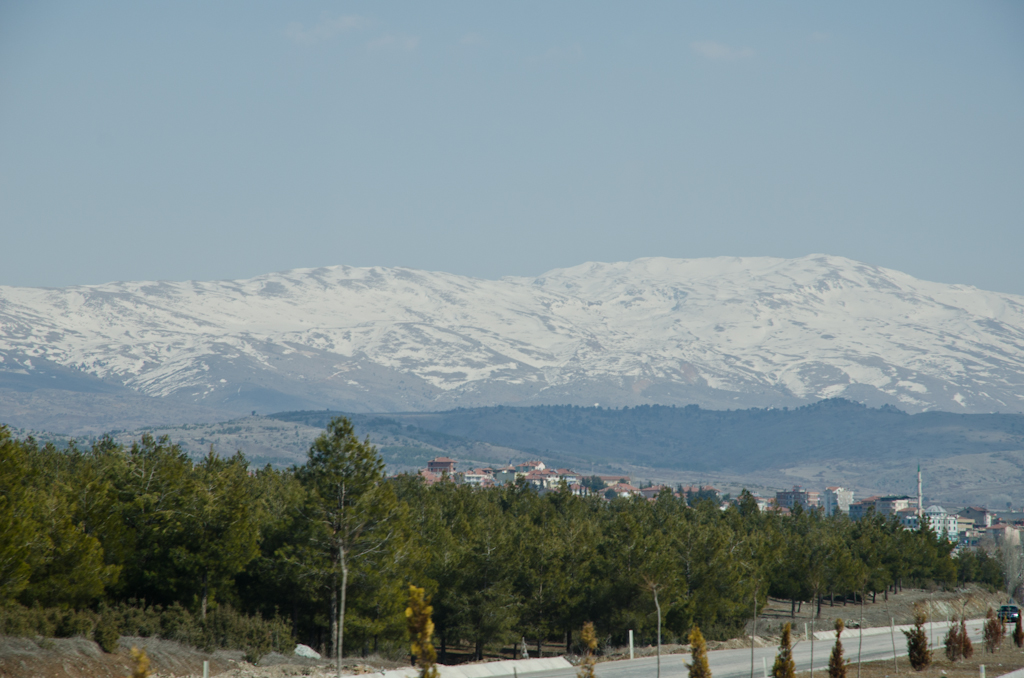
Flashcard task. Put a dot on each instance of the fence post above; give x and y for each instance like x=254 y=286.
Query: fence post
x=206 y=669
x=892 y=630
x=631 y=643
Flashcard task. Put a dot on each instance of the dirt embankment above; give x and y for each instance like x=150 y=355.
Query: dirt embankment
x=82 y=658
x=972 y=601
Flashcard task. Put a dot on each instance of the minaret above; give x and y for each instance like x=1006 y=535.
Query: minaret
x=920 y=506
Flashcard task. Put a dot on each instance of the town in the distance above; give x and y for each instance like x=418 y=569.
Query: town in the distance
x=970 y=527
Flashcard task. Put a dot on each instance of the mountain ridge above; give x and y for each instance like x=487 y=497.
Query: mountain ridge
x=722 y=333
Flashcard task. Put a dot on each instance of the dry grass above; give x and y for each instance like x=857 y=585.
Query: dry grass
x=1007 y=658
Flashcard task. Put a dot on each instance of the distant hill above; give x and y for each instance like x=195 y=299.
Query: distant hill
x=694 y=439
x=966 y=458
x=727 y=332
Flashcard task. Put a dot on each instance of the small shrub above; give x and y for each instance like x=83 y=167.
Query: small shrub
x=993 y=632
x=421 y=631
x=141 y=669
x=836 y=664
x=952 y=642
x=1018 y=633
x=699 y=651
x=588 y=638
x=74 y=623
x=224 y=628
x=138 y=619
x=784 y=666
x=106 y=634
x=917 y=643
x=958 y=643
x=967 y=647
x=176 y=623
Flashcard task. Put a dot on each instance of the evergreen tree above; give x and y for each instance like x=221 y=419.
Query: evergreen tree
x=19 y=531
x=222 y=513
x=966 y=646
x=917 y=643
x=993 y=631
x=784 y=666
x=836 y=663
x=421 y=632
x=699 y=653
x=589 y=638
x=954 y=645
x=350 y=514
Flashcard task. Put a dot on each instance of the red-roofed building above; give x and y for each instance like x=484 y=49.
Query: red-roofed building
x=430 y=478
x=479 y=477
x=441 y=465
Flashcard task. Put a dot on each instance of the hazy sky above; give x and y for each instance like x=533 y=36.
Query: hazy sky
x=180 y=140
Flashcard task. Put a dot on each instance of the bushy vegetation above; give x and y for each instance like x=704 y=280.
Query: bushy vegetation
x=917 y=643
x=836 y=662
x=993 y=632
x=698 y=666
x=957 y=642
x=224 y=627
x=228 y=556
x=785 y=666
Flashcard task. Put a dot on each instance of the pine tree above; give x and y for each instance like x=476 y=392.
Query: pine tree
x=589 y=638
x=836 y=664
x=784 y=666
x=1018 y=633
x=993 y=632
x=421 y=631
x=699 y=651
x=917 y=643
x=350 y=514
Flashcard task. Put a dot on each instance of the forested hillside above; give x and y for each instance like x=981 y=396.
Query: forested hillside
x=695 y=439
x=112 y=539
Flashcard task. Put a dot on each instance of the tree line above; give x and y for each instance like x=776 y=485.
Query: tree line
x=329 y=549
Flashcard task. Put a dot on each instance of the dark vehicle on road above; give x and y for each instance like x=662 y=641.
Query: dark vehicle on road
x=1009 y=614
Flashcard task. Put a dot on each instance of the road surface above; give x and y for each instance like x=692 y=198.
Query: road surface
x=736 y=663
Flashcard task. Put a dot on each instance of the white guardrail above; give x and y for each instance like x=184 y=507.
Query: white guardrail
x=931 y=628
x=506 y=667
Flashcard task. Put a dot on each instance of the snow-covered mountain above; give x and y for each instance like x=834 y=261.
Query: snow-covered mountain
x=723 y=332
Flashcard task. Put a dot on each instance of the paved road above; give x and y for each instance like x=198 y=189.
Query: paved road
x=736 y=663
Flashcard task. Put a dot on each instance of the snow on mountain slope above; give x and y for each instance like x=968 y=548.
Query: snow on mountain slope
x=724 y=332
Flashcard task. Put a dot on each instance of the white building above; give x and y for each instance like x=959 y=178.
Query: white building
x=939 y=520
x=836 y=500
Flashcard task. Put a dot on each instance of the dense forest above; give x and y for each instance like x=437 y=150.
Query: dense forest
x=144 y=540
x=696 y=439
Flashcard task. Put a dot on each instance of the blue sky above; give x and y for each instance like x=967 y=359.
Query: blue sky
x=192 y=140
